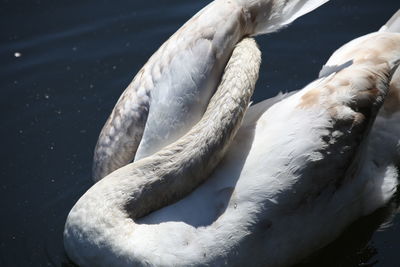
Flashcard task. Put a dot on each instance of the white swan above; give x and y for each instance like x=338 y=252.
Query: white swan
x=171 y=92
x=260 y=202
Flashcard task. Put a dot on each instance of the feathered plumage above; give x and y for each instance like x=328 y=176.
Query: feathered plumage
x=301 y=168
x=171 y=92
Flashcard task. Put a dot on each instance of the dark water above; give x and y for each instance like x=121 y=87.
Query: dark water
x=76 y=57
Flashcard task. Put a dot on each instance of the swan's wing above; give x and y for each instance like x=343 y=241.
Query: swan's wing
x=170 y=93
x=385 y=134
x=384 y=150
x=343 y=107
x=382 y=153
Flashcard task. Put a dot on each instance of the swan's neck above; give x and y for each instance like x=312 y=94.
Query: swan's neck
x=179 y=168
x=108 y=209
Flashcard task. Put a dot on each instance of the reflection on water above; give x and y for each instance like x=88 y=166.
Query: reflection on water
x=64 y=64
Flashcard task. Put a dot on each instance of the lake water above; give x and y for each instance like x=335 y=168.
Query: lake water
x=64 y=65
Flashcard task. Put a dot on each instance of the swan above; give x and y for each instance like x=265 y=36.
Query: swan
x=171 y=92
x=299 y=170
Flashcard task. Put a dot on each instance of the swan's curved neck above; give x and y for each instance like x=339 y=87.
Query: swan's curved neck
x=179 y=168
x=105 y=215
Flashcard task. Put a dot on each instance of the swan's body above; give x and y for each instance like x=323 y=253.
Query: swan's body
x=302 y=211
x=171 y=92
x=294 y=176
x=101 y=228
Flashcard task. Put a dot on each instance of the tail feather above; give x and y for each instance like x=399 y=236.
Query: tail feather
x=393 y=25
x=271 y=15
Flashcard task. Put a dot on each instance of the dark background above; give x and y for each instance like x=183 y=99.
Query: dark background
x=76 y=59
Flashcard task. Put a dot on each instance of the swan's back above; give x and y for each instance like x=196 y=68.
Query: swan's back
x=288 y=175
x=301 y=170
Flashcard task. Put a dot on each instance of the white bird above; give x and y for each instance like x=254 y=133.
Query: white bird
x=293 y=177
x=171 y=92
